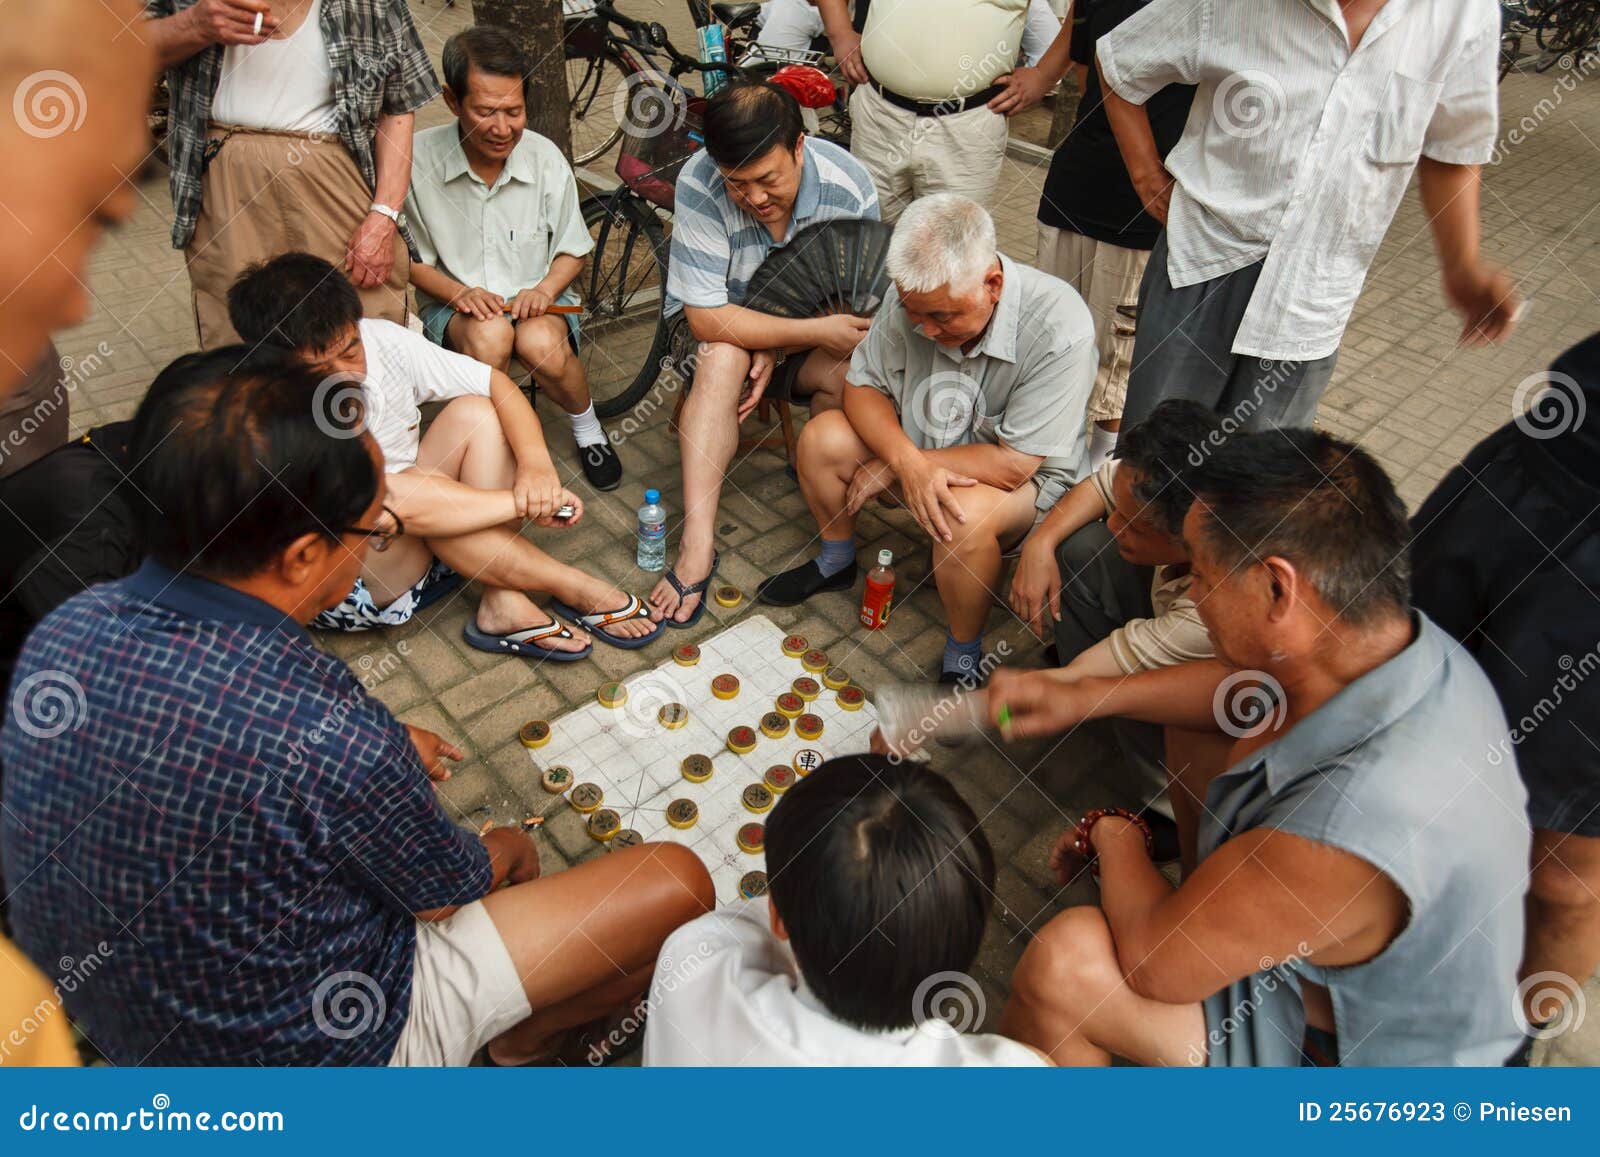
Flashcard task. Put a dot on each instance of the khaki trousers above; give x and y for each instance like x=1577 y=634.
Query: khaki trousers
x=266 y=194
x=1107 y=278
x=911 y=156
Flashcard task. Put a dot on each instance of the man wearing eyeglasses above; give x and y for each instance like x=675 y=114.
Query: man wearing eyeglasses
x=251 y=842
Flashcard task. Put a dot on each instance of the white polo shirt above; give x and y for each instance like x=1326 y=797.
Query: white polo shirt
x=1297 y=149
x=404 y=371
x=728 y=992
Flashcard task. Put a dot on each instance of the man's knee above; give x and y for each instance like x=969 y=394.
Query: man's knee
x=472 y=410
x=487 y=341
x=824 y=440
x=682 y=879
x=543 y=347
x=720 y=369
x=1072 y=961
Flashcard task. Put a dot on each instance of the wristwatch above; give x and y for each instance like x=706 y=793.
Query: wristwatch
x=384 y=210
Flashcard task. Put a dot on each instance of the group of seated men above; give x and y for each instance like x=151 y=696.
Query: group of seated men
x=1345 y=850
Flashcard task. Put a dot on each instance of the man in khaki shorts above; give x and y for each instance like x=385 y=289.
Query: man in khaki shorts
x=276 y=150
x=1094 y=233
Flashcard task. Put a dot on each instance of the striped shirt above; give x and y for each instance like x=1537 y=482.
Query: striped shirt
x=1298 y=150
x=717 y=246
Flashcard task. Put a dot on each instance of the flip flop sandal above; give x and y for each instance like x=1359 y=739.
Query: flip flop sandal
x=686 y=589
x=596 y=622
x=525 y=644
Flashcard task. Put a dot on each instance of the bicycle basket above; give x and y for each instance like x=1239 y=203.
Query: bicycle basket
x=660 y=132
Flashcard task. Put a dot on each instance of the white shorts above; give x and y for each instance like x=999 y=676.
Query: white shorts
x=465 y=991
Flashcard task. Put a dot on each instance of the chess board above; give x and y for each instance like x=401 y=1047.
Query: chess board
x=636 y=761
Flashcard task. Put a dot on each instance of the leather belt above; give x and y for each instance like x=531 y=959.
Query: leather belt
x=938 y=108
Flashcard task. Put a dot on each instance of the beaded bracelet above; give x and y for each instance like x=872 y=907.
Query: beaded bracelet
x=1080 y=837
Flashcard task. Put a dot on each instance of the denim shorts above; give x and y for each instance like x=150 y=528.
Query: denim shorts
x=436 y=315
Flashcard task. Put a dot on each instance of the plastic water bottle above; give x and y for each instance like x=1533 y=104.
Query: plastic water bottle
x=713 y=49
x=879 y=595
x=652 y=533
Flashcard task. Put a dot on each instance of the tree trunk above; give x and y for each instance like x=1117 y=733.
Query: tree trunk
x=537 y=26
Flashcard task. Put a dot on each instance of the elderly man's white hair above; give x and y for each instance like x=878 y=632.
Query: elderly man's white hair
x=942 y=240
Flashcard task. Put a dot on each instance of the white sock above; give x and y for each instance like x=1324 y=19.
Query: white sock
x=586 y=427
x=1101 y=443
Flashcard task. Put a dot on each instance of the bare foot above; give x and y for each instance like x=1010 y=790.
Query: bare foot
x=597 y=597
x=503 y=612
x=691 y=567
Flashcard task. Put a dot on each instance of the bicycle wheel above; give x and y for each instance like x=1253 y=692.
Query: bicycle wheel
x=623 y=334
x=592 y=84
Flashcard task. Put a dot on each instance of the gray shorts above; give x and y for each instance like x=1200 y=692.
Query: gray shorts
x=1184 y=350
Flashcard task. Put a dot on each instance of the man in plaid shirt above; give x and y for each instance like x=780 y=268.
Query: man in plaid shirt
x=291 y=128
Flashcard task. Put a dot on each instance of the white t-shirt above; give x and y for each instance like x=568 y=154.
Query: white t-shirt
x=728 y=992
x=405 y=370
x=282 y=85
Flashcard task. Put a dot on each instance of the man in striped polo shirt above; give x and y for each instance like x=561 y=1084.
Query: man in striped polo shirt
x=758 y=180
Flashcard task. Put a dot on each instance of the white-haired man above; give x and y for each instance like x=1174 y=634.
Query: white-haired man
x=965 y=403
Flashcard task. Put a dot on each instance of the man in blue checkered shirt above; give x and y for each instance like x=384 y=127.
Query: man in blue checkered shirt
x=246 y=840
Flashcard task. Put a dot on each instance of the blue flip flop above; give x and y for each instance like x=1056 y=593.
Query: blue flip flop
x=596 y=622
x=686 y=589
x=524 y=644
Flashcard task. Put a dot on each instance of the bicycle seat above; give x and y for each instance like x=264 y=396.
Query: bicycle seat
x=735 y=15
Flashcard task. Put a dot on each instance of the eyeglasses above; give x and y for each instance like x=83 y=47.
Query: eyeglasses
x=380 y=537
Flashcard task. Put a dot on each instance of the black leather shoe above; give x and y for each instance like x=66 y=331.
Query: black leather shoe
x=793 y=587
x=601 y=466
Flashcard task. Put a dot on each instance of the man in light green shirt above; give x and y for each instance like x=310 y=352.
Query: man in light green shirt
x=494 y=211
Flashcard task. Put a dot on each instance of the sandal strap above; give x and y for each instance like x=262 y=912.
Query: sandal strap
x=598 y=620
x=538 y=634
x=696 y=588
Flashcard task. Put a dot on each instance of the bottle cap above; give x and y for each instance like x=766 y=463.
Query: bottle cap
x=652 y=497
x=885 y=557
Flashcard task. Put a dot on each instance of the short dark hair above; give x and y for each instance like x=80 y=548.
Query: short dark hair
x=294 y=301
x=1161 y=451
x=486 y=48
x=747 y=119
x=1318 y=501
x=883 y=878
x=239 y=453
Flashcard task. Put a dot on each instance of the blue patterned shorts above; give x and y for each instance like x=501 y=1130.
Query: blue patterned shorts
x=358 y=611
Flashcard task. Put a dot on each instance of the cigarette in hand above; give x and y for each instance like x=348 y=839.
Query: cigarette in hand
x=259 y=16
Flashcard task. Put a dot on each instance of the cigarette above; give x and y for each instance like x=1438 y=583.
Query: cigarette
x=259 y=16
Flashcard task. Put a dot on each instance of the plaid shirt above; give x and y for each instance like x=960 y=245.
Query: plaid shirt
x=379 y=69
x=217 y=814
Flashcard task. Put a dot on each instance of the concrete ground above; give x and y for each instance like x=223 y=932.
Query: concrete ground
x=1403 y=389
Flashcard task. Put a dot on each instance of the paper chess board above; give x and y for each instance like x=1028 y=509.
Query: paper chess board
x=636 y=761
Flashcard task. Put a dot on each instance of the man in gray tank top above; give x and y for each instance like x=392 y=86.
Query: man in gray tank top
x=1361 y=842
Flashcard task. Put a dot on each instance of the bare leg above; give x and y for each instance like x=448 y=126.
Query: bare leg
x=967 y=569
x=1194 y=759
x=827 y=457
x=708 y=435
x=1069 y=1000
x=541 y=345
x=585 y=939
x=1563 y=915
x=487 y=341
x=821 y=380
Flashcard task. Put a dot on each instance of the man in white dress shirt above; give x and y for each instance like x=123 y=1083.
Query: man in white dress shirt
x=1308 y=119
x=880 y=886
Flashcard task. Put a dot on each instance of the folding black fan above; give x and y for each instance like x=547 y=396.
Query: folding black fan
x=830 y=267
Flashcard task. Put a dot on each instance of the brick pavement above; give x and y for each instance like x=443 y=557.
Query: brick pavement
x=1403 y=389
